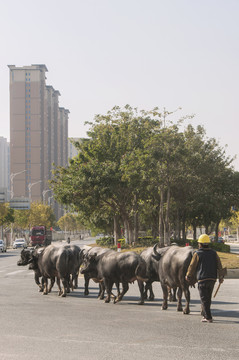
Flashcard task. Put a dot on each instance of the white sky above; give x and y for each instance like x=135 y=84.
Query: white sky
x=146 y=53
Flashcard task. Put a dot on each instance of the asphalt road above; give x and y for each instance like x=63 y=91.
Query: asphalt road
x=35 y=327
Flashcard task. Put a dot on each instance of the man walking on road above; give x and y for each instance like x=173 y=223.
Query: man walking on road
x=206 y=264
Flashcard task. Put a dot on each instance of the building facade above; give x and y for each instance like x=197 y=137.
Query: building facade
x=38 y=132
x=4 y=168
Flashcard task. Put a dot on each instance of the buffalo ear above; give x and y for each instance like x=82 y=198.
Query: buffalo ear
x=92 y=257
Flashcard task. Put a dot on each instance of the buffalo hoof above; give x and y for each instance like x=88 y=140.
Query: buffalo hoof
x=107 y=300
x=44 y=293
x=179 y=308
x=40 y=290
x=141 y=302
x=151 y=298
x=86 y=293
x=186 y=311
x=63 y=295
x=164 y=307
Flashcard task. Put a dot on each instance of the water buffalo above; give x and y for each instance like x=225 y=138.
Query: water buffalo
x=97 y=251
x=173 y=262
x=152 y=273
x=26 y=258
x=113 y=267
x=55 y=261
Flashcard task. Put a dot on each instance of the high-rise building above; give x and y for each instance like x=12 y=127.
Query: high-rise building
x=72 y=150
x=4 y=167
x=38 y=132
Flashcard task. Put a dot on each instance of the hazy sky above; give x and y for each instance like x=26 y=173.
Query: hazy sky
x=146 y=53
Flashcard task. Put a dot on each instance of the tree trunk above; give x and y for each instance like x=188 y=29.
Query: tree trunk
x=126 y=231
x=177 y=228
x=117 y=230
x=161 y=222
x=136 y=227
x=216 y=230
x=184 y=229
x=136 y=220
x=167 y=222
x=194 y=231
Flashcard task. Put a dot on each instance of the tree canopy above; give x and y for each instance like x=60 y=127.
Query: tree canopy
x=137 y=168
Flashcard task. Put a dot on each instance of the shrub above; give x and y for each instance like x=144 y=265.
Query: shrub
x=146 y=241
x=106 y=241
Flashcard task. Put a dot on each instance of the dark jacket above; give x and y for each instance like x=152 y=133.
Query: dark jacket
x=205 y=263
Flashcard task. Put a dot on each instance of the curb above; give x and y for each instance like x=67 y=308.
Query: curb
x=232 y=274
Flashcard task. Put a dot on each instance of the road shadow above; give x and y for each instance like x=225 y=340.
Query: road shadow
x=5 y=255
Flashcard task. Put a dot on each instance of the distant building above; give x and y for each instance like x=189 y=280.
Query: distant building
x=72 y=150
x=4 y=167
x=38 y=132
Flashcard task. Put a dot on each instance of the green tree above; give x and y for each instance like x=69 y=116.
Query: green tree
x=41 y=214
x=99 y=182
x=21 y=219
x=6 y=216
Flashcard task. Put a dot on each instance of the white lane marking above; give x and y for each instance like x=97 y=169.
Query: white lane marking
x=15 y=272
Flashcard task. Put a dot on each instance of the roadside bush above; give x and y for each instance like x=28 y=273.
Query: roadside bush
x=106 y=241
x=146 y=241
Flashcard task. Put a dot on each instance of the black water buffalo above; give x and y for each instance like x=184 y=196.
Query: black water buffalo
x=152 y=274
x=55 y=261
x=88 y=250
x=151 y=271
x=173 y=262
x=115 y=267
x=25 y=259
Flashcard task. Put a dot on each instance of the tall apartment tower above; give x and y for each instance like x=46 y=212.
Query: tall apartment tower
x=38 y=131
x=4 y=167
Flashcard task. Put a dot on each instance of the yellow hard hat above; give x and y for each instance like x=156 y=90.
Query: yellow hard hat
x=204 y=239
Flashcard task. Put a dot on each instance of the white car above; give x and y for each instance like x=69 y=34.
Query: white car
x=20 y=243
x=3 y=247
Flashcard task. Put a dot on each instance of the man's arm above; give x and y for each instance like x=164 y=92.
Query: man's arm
x=192 y=267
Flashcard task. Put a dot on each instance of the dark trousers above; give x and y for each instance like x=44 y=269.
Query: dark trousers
x=205 y=289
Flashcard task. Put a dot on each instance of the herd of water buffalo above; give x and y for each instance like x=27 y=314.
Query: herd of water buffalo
x=108 y=267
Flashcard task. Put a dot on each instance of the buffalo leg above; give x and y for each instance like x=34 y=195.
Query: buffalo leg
x=37 y=281
x=59 y=285
x=87 y=280
x=65 y=286
x=186 y=310
x=118 y=288
x=141 y=290
x=108 y=286
x=179 y=294
x=101 y=293
x=45 y=286
x=125 y=288
x=165 y=297
x=52 y=284
x=148 y=287
x=172 y=294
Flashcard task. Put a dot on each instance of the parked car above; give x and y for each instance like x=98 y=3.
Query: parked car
x=230 y=238
x=19 y=243
x=220 y=239
x=3 y=246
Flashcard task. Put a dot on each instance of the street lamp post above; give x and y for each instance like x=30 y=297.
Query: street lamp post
x=30 y=189
x=12 y=176
x=49 y=200
x=43 y=194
